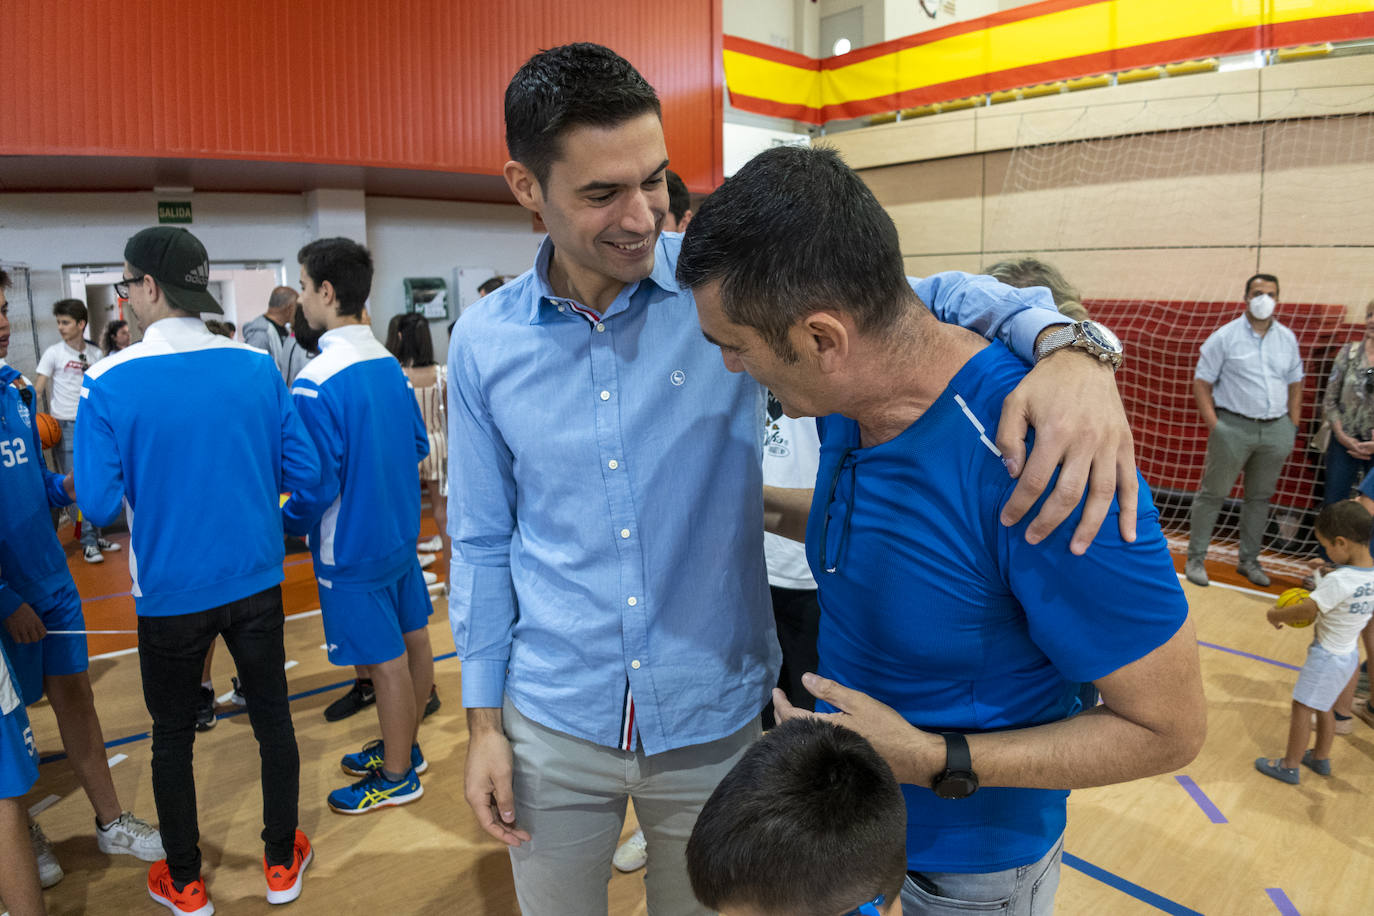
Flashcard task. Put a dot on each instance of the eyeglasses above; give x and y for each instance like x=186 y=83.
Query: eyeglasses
x=85 y=363
x=122 y=287
x=827 y=564
x=1369 y=381
x=870 y=908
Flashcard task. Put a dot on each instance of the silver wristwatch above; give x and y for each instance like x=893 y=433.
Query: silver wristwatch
x=1096 y=339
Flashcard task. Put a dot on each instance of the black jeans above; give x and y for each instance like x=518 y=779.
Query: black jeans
x=797 y=615
x=171 y=652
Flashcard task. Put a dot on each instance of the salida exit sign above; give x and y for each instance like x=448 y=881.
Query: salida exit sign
x=174 y=211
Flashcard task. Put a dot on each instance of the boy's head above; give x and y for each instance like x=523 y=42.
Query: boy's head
x=71 y=319
x=679 y=203
x=1343 y=529
x=336 y=279
x=810 y=822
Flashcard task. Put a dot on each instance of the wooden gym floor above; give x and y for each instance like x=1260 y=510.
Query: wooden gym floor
x=1216 y=837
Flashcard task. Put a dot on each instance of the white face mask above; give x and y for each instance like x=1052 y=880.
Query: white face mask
x=1262 y=306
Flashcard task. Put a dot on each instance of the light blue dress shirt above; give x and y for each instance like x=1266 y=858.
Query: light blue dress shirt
x=606 y=508
x=1250 y=373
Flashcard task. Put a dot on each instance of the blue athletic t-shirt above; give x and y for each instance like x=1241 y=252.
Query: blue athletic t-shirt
x=939 y=611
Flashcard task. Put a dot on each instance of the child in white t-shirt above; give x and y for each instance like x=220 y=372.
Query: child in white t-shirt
x=1340 y=606
x=61 y=370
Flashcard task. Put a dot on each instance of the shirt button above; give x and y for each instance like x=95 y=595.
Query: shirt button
x=632 y=601
x=624 y=532
x=635 y=664
x=560 y=308
x=612 y=464
x=605 y=395
x=600 y=327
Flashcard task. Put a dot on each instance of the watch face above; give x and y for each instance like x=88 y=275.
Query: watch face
x=954 y=784
x=1101 y=336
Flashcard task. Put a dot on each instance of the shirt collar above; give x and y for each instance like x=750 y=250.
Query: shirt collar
x=343 y=333
x=547 y=301
x=175 y=329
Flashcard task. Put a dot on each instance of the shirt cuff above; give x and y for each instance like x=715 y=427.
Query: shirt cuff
x=484 y=683
x=1026 y=325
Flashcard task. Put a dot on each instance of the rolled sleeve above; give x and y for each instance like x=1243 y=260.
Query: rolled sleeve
x=1210 y=357
x=1016 y=317
x=481 y=523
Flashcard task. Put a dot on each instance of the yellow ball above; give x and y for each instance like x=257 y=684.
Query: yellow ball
x=1294 y=596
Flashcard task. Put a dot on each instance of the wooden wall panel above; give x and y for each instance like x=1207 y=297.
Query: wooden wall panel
x=407 y=84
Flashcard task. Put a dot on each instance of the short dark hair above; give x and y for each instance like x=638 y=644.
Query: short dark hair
x=1345 y=519
x=222 y=328
x=1026 y=272
x=810 y=822
x=111 y=331
x=795 y=231
x=571 y=86
x=74 y=309
x=1267 y=278
x=679 y=198
x=4 y=279
x=410 y=340
x=346 y=265
x=491 y=285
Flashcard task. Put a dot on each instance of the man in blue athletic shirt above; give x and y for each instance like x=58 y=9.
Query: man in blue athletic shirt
x=194 y=438
x=364 y=518
x=935 y=617
x=37 y=594
x=608 y=598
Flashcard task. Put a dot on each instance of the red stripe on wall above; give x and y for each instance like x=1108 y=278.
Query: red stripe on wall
x=803 y=113
x=770 y=52
x=1331 y=28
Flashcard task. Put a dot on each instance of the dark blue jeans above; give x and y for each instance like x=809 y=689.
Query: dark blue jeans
x=171 y=653
x=1343 y=473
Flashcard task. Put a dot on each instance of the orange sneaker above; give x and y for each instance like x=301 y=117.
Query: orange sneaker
x=191 y=900
x=284 y=882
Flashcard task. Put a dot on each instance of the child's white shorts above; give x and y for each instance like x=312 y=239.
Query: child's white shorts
x=1324 y=675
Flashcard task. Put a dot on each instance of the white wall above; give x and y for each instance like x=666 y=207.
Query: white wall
x=429 y=238
x=408 y=238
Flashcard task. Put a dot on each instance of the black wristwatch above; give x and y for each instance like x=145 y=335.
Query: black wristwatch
x=958 y=779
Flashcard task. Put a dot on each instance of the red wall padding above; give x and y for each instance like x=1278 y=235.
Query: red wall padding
x=414 y=84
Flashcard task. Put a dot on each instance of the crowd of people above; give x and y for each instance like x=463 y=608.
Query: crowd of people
x=656 y=554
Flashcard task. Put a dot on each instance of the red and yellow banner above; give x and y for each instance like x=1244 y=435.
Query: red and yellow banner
x=1052 y=40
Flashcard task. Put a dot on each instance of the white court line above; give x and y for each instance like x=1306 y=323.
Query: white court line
x=291 y=663
x=130 y=651
x=39 y=807
x=117 y=759
x=225 y=698
x=1237 y=588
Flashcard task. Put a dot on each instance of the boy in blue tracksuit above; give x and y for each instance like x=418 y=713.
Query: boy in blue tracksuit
x=193 y=437
x=364 y=517
x=39 y=595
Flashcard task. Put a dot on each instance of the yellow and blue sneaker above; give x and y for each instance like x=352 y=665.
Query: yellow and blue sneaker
x=369 y=759
x=375 y=791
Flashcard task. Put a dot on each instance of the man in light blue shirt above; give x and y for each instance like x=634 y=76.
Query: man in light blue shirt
x=1248 y=387
x=609 y=600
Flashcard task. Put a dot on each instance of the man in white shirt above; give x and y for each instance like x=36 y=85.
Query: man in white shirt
x=61 y=370
x=1248 y=386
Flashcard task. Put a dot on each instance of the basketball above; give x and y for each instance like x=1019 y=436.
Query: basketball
x=49 y=430
x=1293 y=596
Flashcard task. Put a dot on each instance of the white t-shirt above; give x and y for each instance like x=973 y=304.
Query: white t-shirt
x=1345 y=597
x=791 y=455
x=62 y=364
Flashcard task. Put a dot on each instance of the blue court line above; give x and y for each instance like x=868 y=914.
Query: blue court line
x=1281 y=901
x=1128 y=888
x=141 y=736
x=1258 y=658
x=1208 y=808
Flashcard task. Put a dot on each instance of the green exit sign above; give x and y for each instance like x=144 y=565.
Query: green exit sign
x=173 y=211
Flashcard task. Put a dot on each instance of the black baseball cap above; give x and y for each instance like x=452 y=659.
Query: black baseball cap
x=177 y=261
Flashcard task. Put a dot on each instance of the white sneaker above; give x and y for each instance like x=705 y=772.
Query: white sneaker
x=130 y=836
x=107 y=546
x=426 y=559
x=633 y=854
x=92 y=554
x=49 y=869
x=430 y=578
x=433 y=545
